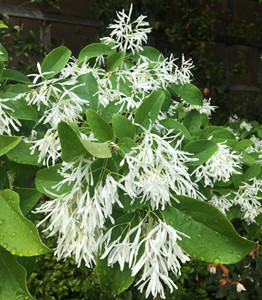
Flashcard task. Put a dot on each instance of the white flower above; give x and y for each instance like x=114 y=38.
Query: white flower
x=74 y=217
x=156 y=168
x=41 y=95
x=220 y=166
x=77 y=216
x=257 y=146
x=246 y=126
x=77 y=172
x=49 y=147
x=205 y=109
x=67 y=108
x=249 y=201
x=39 y=75
x=221 y=203
x=7 y=122
x=127 y=34
x=161 y=254
x=183 y=73
x=73 y=70
x=233 y=119
x=240 y=287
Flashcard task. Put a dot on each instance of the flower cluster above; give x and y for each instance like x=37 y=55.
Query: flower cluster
x=219 y=167
x=128 y=34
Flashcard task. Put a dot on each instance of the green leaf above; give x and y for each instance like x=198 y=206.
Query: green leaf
x=7 y=143
x=89 y=90
x=123 y=127
x=55 y=61
x=243 y=144
x=101 y=129
x=100 y=150
x=152 y=53
x=112 y=278
x=130 y=203
x=18 y=234
x=122 y=84
x=148 y=111
x=177 y=127
x=20 y=109
x=112 y=108
x=188 y=92
x=259 y=132
x=212 y=236
x=125 y=145
x=14 y=75
x=101 y=168
x=237 y=179
x=70 y=142
x=202 y=149
x=115 y=60
x=193 y=121
x=13 y=278
x=1 y=69
x=22 y=154
x=93 y=50
x=2 y=25
x=28 y=198
x=47 y=178
x=235 y=212
x=247 y=159
x=259 y=218
x=218 y=134
x=3 y=54
x=252 y=172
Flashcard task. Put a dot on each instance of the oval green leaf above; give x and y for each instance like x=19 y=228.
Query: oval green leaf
x=14 y=75
x=70 y=142
x=18 y=234
x=148 y=111
x=202 y=149
x=93 y=50
x=55 y=61
x=7 y=143
x=115 y=60
x=47 y=178
x=177 y=127
x=212 y=236
x=101 y=129
x=123 y=127
x=13 y=278
x=22 y=154
x=188 y=92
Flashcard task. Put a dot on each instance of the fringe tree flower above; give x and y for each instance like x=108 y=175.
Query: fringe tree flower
x=256 y=147
x=246 y=126
x=220 y=166
x=233 y=119
x=49 y=147
x=162 y=254
x=221 y=203
x=7 y=122
x=249 y=197
x=207 y=108
x=127 y=34
x=78 y=217
x=156 y=168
